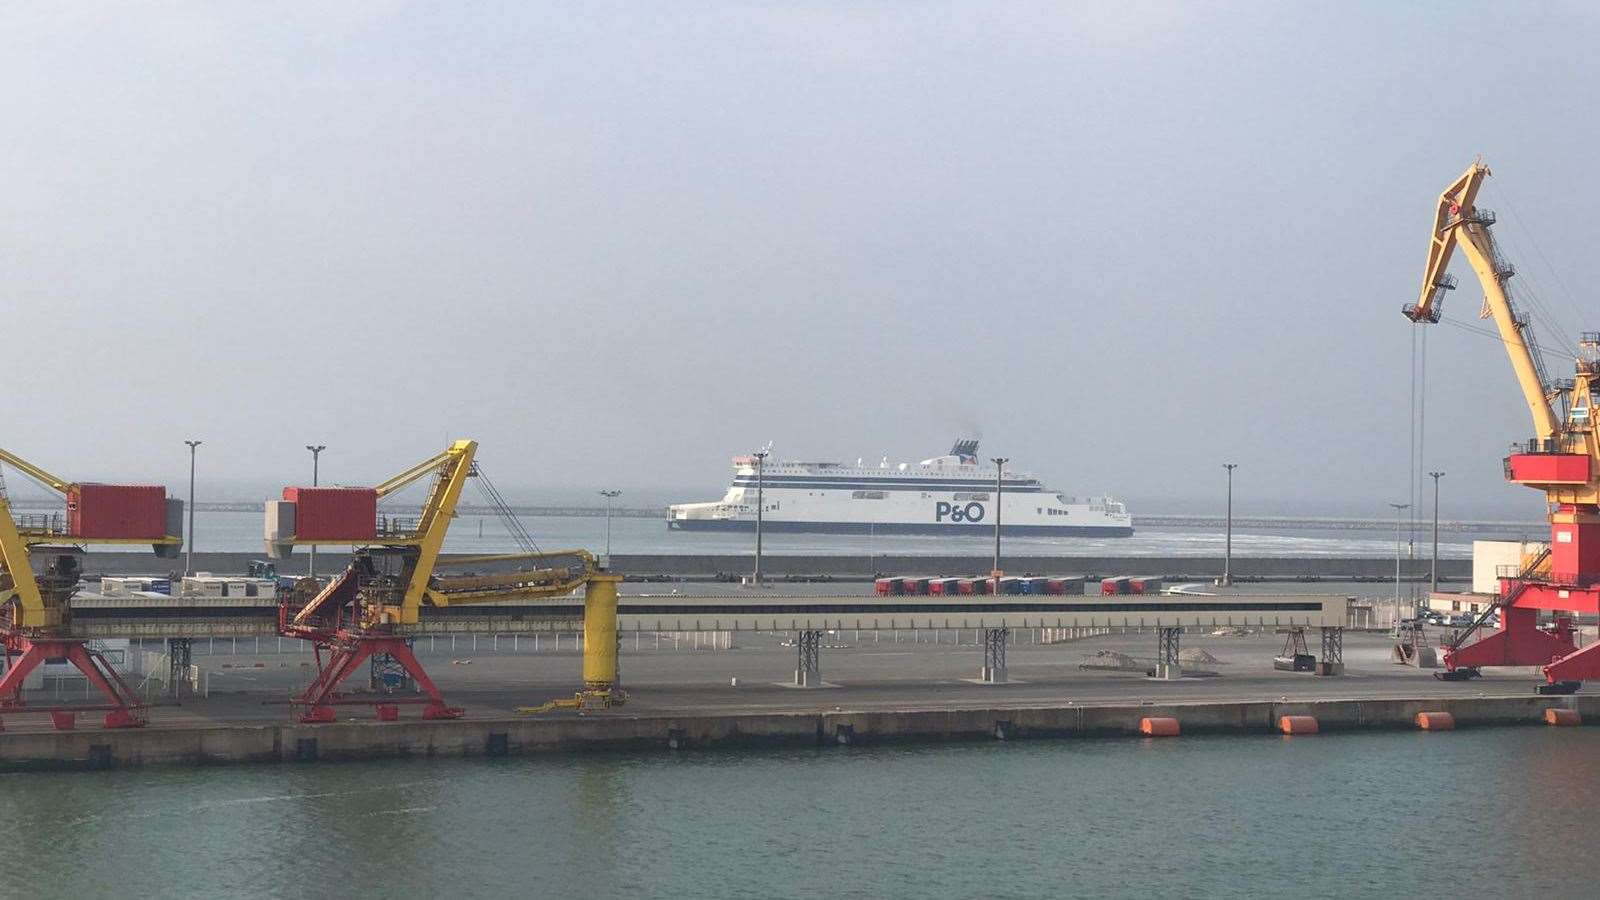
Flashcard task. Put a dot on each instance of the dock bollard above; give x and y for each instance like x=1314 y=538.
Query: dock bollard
x=1297 y=724
x=1436 y=721
x=1158 y=726
x=1554 y=716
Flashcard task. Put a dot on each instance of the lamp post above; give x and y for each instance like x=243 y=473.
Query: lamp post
x=1399 y=546
x=1433 y=573
x=316 y=453
x=609 y=495
x=761 y=461
x=188 y=565
x=1227 y=547
x=999 y=487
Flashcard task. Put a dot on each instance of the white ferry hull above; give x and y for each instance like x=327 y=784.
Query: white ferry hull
x=899 y=528
x=948 y=495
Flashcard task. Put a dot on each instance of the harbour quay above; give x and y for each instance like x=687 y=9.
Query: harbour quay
x=692 y=691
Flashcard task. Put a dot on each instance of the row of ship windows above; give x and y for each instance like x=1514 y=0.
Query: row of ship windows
x=884 y=495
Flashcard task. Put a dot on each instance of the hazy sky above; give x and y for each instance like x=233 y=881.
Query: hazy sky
x=617 y=243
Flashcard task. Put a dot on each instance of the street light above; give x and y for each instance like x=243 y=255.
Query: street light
x=188 y=565
x=1433 y=575
x=1399 y=545
x=999 y=485
x=609 y=495
x=1227 y=548
x=761 y=460
x=316 y=453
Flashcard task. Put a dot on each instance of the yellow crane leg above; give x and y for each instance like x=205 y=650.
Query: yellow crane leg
x=600 y=688
x=30 y=610
x=600 y=633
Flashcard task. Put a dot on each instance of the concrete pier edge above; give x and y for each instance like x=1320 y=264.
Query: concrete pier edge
x=418 y=739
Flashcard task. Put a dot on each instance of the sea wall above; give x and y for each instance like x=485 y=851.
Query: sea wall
x=285 y=743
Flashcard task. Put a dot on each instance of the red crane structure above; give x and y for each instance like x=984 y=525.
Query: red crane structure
x=1562 y=459
x=37 y=625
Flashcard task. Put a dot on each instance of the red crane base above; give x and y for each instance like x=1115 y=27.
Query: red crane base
x=126 y=711
x=349 y=651
x=1518 y=643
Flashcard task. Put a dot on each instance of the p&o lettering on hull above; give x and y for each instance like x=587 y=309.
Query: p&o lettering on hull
x=958 y=512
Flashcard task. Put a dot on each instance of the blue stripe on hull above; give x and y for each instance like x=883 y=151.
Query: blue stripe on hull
x=900 y=528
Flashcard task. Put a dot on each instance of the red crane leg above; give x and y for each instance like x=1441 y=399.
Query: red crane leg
x=1583 y=665
x=1519 y=643
x=322 y=693
x=323 y=690
x=436 y=709
x=127 y=711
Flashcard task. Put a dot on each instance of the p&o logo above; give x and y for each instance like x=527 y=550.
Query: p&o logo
x=957 y=512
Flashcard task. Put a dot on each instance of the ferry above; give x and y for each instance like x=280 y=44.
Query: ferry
x=950 y=494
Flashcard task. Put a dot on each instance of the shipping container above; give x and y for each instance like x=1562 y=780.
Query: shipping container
x=966 y=586
x=1117 y=585
x=1011 y=585
x=334 y=514
x=887 y=586
x=944 y=587
x=914 y=585
x=1144 y=585
x=128 y=511
x=1065 y=586
x=1034 y=585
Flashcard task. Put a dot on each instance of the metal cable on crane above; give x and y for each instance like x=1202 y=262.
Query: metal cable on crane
x=502 y=509
x=1571 y=298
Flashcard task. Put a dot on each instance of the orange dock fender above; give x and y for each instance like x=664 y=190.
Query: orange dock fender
x=1158 y=726
x=1297 y=724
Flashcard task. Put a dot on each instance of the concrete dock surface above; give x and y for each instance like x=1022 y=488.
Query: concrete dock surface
x=909 y=686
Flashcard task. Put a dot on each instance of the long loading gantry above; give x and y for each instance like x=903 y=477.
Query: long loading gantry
x=37 y=624
x=368 y=611
x=1562 y=459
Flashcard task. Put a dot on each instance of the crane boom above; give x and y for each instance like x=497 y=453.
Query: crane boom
x=59 y=485
x=1456 y=216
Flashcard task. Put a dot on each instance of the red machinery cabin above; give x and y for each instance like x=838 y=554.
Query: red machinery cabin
x=1547 y=468
x=117 y=511
x=334 y=513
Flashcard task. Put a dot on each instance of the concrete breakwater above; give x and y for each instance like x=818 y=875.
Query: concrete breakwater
x=779 y=567
x=223 y=744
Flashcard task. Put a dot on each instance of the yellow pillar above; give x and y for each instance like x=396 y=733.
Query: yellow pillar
x=600 y=632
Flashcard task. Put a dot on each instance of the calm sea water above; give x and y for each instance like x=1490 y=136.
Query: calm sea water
x=241 y=532
x=1492 y=812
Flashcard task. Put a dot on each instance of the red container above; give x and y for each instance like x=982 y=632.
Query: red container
x=965 y=586
x=887 y=586
x=1118 y=585
x=335 y=514
x=1144 y=585
x=117 y=511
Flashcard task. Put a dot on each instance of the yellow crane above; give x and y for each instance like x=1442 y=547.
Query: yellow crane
x=38 y=612
x=1562 y=458
x=368 y=610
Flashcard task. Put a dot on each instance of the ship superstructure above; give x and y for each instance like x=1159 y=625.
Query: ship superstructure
x=942 y=495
